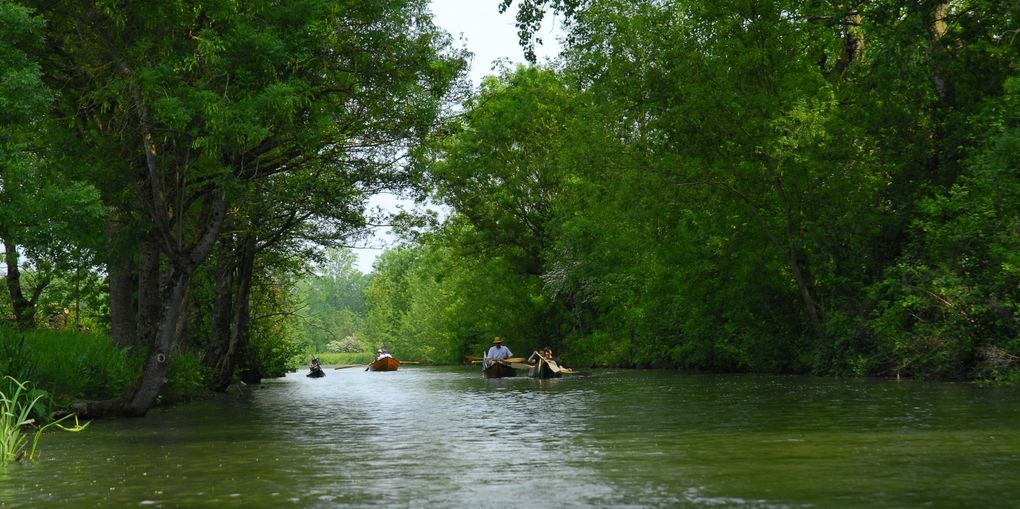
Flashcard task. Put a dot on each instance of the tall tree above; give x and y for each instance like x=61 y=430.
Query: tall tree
x=190 y=104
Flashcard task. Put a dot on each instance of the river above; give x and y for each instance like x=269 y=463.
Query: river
x=446 y=437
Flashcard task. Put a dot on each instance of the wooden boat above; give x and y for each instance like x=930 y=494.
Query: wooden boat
x=545 y=369
x=499 y=370
x=384 y=364
x=316 y=372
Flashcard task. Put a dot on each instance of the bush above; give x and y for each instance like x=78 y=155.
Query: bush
x=187 y=378
x=349 y=344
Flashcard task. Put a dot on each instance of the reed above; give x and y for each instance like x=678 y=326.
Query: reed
x=18 y=404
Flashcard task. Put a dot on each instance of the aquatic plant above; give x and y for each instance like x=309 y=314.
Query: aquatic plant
x=17 y=407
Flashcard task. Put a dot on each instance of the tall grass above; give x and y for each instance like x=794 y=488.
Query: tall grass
x=18 y=403
x=77 y=364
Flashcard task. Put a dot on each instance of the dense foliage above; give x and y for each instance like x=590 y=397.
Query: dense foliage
x=214 y=147
x=777 y=186
x=771 y=186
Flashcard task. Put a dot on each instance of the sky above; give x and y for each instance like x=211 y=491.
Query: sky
x=490 y=36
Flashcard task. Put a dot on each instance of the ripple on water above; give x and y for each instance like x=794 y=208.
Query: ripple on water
x=446 y=437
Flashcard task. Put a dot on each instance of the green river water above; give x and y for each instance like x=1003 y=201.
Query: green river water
x=446 y=437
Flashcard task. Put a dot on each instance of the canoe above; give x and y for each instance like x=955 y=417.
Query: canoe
x=384 y=364
x=499 y=370
x=545 y=369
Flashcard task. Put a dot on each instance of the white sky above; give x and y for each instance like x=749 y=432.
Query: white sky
x=490 y=36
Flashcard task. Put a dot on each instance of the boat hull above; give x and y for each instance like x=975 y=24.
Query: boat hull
x=498 y=370
x=384 y=364
x=543 y=370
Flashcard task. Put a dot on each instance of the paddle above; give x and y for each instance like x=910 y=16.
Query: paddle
x=510 y=360
x=345 y=366
x=552 y=365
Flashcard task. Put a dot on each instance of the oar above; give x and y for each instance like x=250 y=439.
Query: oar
x=511 y=360
x=552 y=365
x=345 y=366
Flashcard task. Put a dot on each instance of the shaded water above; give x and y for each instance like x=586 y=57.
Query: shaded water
x=446 y=437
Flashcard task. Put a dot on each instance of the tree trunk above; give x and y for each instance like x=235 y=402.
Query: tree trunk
x=853 y=45
x=149 y=285
x=221 y=321
x=937 y=52
x=158 y=361
x=154 y=370
x=241 y=334
x=23 y=310
x=239 y=318
x=121 y=268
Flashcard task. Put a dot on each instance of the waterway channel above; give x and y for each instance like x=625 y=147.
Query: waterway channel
x=446 y=437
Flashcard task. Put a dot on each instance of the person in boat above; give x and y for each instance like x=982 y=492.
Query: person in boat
x=314 y=369
x=543 y=354
x=382 y=352
x=497 y=352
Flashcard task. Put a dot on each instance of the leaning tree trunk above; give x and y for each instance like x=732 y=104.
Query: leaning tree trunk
x=157 y=363
x=182 y=267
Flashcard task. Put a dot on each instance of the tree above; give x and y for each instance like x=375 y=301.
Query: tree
x=334 y=300
x=45 y=214
x=198 y=104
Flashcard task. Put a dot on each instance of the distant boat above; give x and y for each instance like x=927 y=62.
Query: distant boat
x=384 y=364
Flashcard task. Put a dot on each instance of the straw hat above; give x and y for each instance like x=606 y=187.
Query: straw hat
x=497 y=340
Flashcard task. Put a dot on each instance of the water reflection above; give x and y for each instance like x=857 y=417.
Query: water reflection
x=446 y=437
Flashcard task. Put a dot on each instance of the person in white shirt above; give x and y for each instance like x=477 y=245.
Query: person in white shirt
x=497 y=352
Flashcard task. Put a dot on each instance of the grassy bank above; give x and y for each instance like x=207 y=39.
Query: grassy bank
x=84 y=365
x=67 y=363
